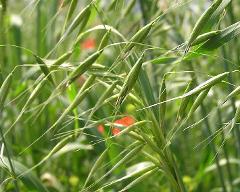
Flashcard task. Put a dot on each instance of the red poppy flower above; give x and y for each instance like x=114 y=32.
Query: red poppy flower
x=88 y=44
x=116 y=131
x=100 y=128
x=125 y=121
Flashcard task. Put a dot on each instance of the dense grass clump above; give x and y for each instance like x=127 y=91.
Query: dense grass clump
x=119 y=95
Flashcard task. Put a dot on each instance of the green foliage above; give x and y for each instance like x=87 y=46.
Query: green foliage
x=119 y=95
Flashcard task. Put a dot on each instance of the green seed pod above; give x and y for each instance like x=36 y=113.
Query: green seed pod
x=130 y=80
x=135 y=136
x=103 y=98
x=130 y=109
x=202 y=21
x=207 y=84
x=71 y=10
x=129 y=8
x=138 y=37
x=84 y=22
x=204 y=37
x=80 y=18
x=44 y=68
x=104 y=40
x=184 y=102
x=234 y=93
x=60 y=60
x=131 y=128
x=83 y=67
x=77 y=100
x=150 y=143
x=5 y=89
x=35 y=92
x=162 y=98
x=198 y=102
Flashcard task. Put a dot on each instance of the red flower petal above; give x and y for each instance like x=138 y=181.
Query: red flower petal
x=125 y=121
x=100 y=128
x=88 y=44
x=115 y=131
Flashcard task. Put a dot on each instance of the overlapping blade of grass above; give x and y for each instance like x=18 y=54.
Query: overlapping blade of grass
x=201 y=22
x=222 y=37
x=81 y=18
x=207 y=84
x=44 y=68
x=106 y=94
x=162 y=98
x=213 y=20
x=132 y=153
x=55 y=149
x=71 y=9
x=140 y=179
x=83 y=67
x=130 y=80
x=184 y=102
x=77 y=100
x=4 y=90
x=236 y=118
x=42 y=82
x=204 y=37
x=96 y=165
x=198 y=101
x=80 y=21
x=31 y=182
x=129 y=176
x=96 y=28
x=128 y=9
x=234 y=93
x=60 y=60
x=78 y=71
x=202 y=86
x=31 y=98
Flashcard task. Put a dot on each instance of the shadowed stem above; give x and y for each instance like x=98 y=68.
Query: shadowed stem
x=230 y=79
x=9 y=158
x=230 y=177
x=209 y=132
x=213 y=147
x=3 y=54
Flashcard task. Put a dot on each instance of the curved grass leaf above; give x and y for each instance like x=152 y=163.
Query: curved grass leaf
x=30 y=181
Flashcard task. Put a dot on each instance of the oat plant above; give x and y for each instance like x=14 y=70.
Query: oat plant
x=119 y=95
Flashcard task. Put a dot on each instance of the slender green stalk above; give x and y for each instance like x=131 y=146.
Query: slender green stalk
x=232 y=100
x=213 y=147
x=3 y=37
x=9 y=160
x=225 y=151
x=209 y=132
